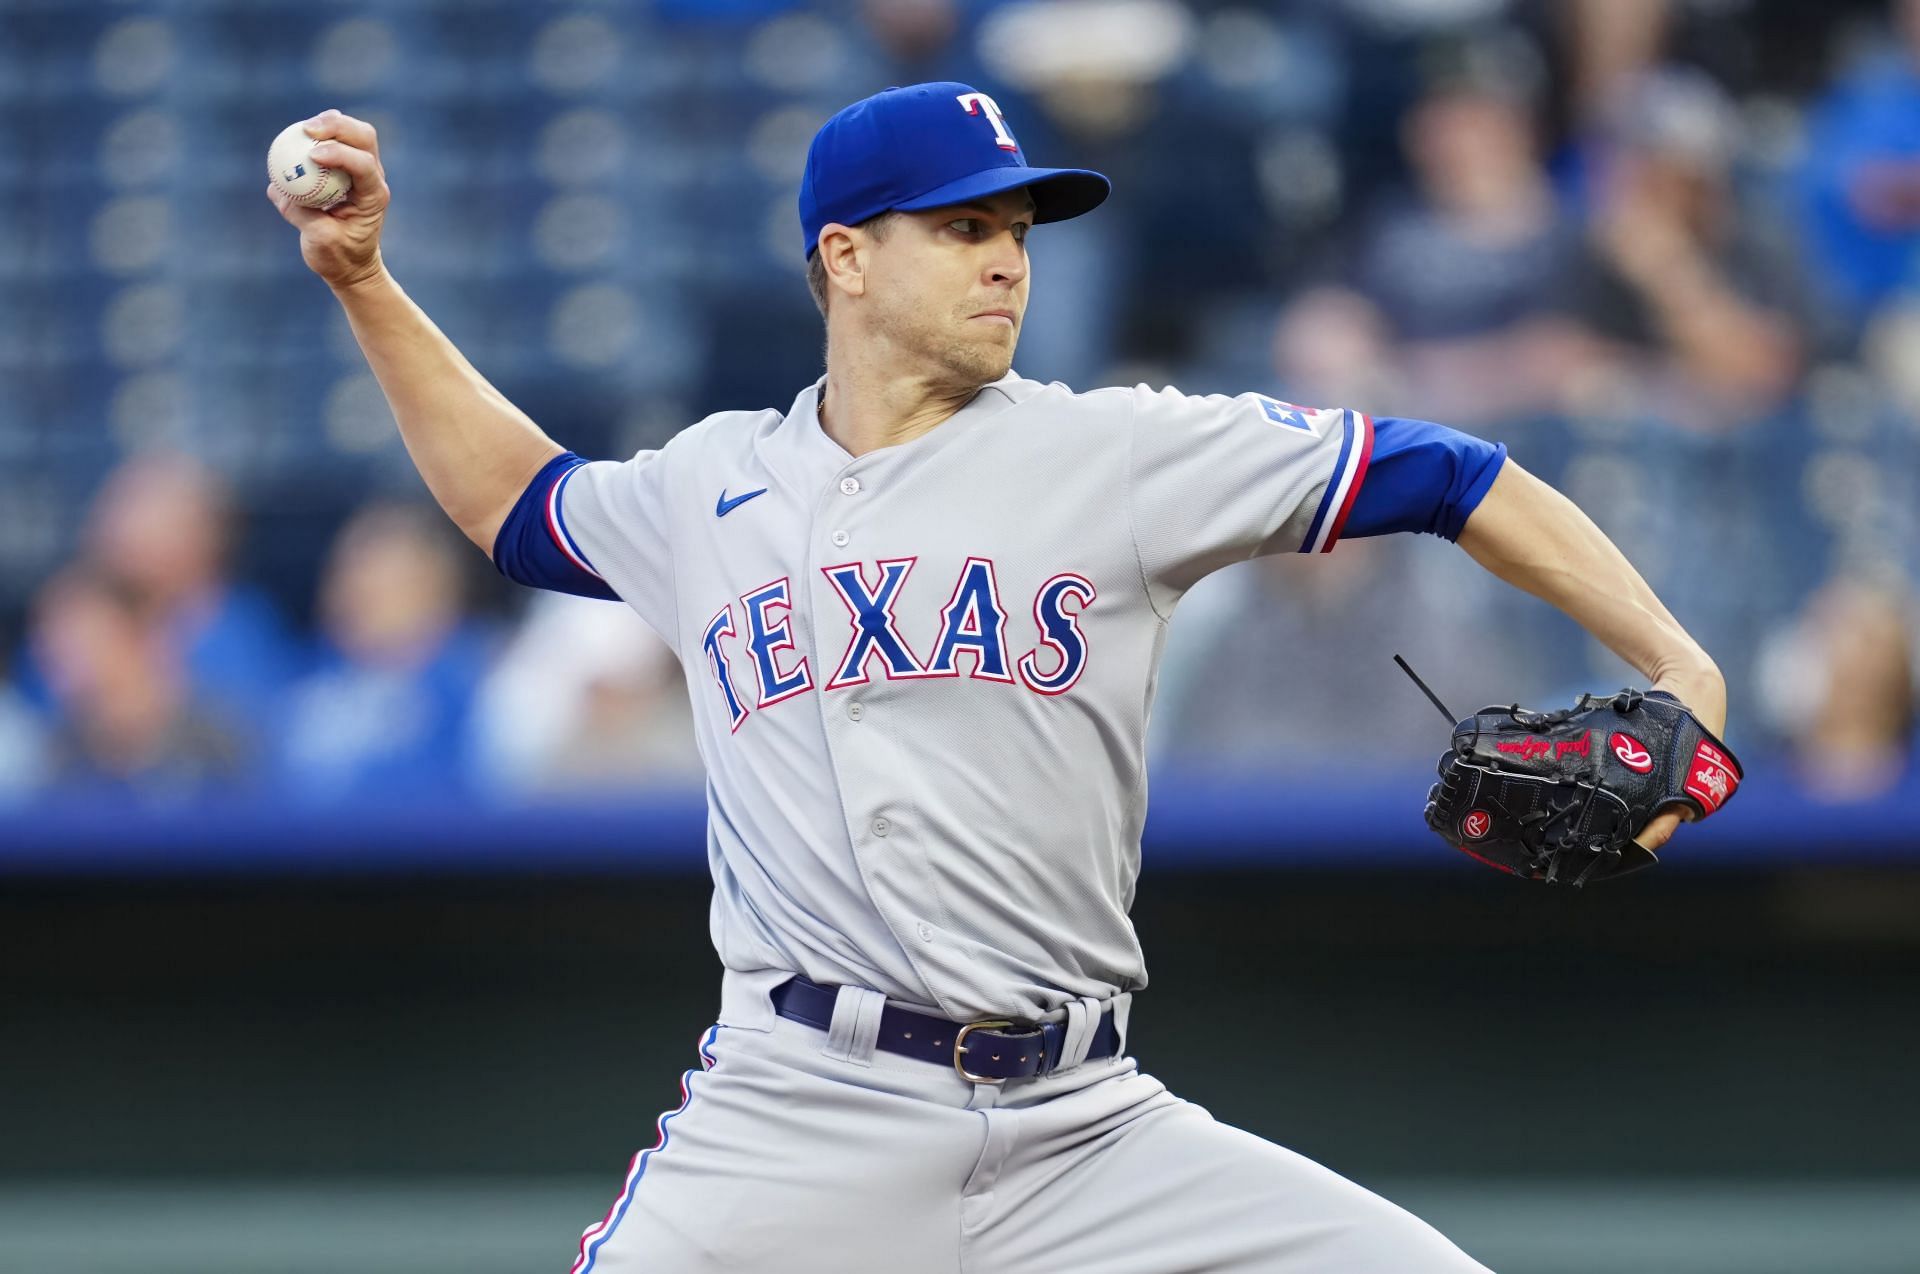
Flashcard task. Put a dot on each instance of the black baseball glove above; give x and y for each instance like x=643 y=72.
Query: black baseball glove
x=1559 y=795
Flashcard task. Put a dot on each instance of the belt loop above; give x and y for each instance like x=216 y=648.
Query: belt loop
x=1122 y=1006
x=1083 y=1018
x=856 y=1025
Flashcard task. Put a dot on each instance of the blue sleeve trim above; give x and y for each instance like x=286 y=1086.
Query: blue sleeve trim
x=1424 y=477
x=534 y=547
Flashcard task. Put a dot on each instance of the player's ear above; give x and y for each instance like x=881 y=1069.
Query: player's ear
x=841 y=253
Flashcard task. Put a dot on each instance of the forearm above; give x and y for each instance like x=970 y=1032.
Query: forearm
x=475 y=449
x=1536 y=539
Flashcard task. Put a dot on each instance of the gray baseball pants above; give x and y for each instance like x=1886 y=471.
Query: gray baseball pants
x=796 y=1151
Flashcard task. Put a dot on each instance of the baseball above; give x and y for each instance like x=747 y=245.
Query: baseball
x=291 y=168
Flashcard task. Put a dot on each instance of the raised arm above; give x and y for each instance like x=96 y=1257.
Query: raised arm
x=476 y=451
x=1534 y=538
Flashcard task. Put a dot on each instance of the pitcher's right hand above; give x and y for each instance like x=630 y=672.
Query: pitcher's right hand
x=342 y=244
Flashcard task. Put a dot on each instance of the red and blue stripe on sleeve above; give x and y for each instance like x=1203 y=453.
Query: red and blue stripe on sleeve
x=1410 y=475
x=534 y=546
x=1349 y=474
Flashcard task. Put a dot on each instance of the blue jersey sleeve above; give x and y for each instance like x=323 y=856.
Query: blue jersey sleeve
x=533 y=546
x=1423 y=477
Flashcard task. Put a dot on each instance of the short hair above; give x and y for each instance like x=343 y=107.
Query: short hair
x=878 y=226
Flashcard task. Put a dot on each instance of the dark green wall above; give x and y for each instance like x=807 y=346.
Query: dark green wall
x=1457 y=1022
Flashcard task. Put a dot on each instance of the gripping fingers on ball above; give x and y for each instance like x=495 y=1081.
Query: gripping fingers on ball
x=334 y=126
x=292 y=211
x=363 y=166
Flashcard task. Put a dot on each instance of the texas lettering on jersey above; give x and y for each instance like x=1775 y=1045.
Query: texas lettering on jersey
x=973 y=633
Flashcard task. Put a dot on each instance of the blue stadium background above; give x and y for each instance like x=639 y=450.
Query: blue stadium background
x=1666 y=251
x=597 y=203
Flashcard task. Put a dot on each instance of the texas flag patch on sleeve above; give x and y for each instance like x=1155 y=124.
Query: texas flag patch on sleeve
x=1288 y=415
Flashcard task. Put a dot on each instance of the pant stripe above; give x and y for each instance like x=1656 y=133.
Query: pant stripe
x=597 y=1234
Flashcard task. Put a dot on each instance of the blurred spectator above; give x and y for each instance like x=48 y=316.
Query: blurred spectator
x=914 y=35
x=389 y=707
x=1331 y=346
x=163 y=523
x=1839 y=685
x=1685 y=297
x=1466 y=267
x=124 y=713
x=22 y=746
x=1611 y=42
x=1861 y=178
x=586 y=698
x=1083 y=83
x=1290 y=658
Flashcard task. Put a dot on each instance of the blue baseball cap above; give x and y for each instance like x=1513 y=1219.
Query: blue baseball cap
x=926 y=146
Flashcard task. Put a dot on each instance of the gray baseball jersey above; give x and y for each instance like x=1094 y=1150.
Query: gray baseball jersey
x=922 y=677
x=921 y=682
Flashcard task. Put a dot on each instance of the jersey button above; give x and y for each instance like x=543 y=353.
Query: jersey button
x=840 y=539
x=881 y=827
x=855 y=712
x=925 y=931
x=849 y=486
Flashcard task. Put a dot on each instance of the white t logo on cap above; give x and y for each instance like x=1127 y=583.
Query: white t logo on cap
x=978 y=102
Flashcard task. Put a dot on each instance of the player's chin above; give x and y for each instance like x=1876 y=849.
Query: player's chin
x=982 y=356
x=981 y=363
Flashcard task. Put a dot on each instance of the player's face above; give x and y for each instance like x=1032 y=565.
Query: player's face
x=951 y=285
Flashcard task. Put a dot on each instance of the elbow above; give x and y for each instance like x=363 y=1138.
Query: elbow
x=479 y=523
x=482 y=518
x=484 y=529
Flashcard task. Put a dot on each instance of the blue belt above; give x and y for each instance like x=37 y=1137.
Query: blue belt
x=981 y=1052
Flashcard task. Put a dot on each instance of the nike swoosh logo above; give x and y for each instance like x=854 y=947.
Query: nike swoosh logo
x=724 y=506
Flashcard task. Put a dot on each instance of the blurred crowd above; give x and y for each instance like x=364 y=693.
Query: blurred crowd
x=148 y=669
x=1668 y=252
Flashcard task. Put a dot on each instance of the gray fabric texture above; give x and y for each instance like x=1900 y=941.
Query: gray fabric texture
x=784 y=1159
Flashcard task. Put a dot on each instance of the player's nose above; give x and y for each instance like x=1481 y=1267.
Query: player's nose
x=1006 y=263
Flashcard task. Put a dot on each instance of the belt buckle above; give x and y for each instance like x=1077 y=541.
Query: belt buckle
x=960 y=1049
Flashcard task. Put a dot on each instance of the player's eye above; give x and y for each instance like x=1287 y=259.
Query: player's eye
x=977 y=228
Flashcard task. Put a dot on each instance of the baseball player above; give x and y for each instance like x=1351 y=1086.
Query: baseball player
x=921 y=611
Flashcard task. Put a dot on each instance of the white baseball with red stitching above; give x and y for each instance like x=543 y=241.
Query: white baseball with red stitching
x=291 y=168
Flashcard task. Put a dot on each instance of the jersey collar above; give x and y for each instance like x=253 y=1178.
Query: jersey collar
x=800 y=451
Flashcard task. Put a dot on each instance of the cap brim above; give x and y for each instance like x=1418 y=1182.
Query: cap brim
x=1058 y=193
